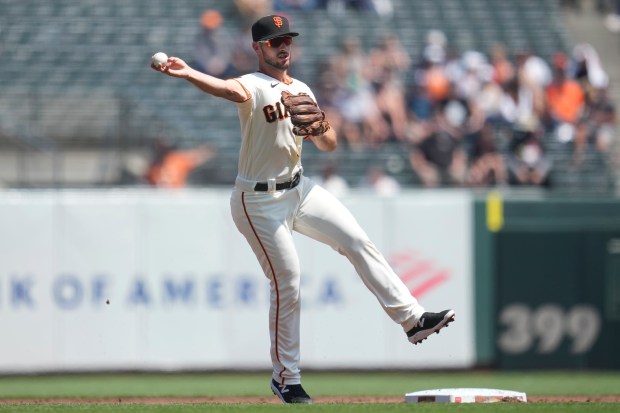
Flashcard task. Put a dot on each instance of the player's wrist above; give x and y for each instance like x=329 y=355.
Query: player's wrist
x=190 y=74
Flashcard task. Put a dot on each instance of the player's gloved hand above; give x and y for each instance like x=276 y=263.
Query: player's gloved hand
x=306 y=116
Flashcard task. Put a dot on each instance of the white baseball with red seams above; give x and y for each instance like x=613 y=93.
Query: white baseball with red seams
x=271 y=153
x=159 y=58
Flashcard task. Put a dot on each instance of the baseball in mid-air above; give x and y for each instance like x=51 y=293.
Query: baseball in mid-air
x=159 y=58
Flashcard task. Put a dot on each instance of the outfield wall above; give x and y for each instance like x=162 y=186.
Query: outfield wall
x=185 y=291
x=548 y=282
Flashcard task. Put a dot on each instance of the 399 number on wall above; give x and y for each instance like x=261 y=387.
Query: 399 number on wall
x=543 y=329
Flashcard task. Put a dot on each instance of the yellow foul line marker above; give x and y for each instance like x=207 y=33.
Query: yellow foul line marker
x=495 y=211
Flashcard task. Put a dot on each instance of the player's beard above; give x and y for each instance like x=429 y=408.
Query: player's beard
x=276 y=62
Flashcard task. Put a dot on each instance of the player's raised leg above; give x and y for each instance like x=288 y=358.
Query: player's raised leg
x=324 y=218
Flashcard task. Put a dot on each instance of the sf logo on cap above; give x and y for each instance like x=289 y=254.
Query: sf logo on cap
x=277 y=21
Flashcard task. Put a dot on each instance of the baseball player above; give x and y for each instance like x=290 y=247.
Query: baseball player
x=272 y=198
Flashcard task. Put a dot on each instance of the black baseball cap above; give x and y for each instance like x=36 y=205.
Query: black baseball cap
x=270 y=27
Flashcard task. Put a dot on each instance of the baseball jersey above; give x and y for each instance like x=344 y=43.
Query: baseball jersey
x=269 y=149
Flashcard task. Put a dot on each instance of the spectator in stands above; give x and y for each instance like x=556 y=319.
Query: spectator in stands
x=362 y=122
x=438 y=156
x=172 y=166
x=435 y=46
x=388 y=57
x=528 y=163
x=521 y=105
x=392 y=105
x=420 y=103
x=475 y=71
x=389 y=63
x=487 y=166
x=380 y=183
x=212 y=52
x=533 y=71
x=564 y=96
x=596 y=130
x=585 y=66
x=489 y=101
x=503 y=68
x=430 y=83
x=328 y=92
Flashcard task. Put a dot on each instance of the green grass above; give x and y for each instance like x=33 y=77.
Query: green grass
x=318 y=384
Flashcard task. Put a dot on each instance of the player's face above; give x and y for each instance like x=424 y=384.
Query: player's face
x=277 y=52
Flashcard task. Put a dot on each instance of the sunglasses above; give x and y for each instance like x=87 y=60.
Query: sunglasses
x=277 y=42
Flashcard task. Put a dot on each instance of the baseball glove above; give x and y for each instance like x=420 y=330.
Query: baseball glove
x=306 y=116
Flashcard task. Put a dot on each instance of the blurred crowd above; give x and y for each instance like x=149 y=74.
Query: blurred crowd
x=225 y=53
x=468 y=119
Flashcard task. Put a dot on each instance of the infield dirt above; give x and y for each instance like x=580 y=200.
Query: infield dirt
x=275 y=400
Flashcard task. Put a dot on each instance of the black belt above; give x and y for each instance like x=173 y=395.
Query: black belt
x=263 y=186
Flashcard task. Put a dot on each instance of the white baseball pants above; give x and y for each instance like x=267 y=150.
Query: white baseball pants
x=267 y=220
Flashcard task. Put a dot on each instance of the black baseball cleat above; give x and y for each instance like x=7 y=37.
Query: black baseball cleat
x=290 y=393
x=428 y=324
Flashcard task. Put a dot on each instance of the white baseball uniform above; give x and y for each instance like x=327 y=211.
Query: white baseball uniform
x=270 y=154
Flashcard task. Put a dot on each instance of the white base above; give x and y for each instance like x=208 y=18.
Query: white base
x=465 y=396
